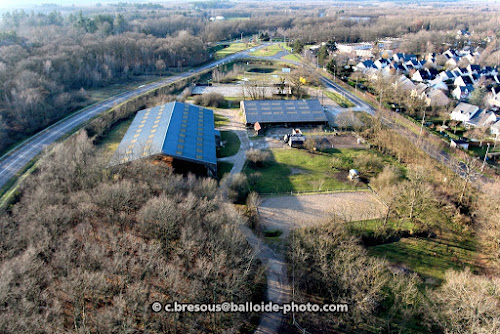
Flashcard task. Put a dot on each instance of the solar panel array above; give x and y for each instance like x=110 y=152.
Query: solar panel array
x=284 y=111
x=176 y=129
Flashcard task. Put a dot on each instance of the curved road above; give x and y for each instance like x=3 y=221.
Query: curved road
x=14 y=161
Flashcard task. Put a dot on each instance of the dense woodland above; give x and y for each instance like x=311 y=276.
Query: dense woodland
x=88 y=249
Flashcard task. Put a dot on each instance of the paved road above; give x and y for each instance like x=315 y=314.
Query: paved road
x=14 y=161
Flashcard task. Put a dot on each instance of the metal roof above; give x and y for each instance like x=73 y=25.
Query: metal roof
x=176 y=129
x=283 y=111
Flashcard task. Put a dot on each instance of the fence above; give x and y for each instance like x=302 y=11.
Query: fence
x=316 y=192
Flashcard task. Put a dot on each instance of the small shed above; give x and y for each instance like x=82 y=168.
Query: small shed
x=455 y=143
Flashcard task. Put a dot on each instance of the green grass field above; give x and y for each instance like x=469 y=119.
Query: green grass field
x=286 y=47
x=429 y=257
x=231 y=144
x=232 y=48
x=299 y=171
x=291 y=57
x=267 y=51
x=372 y=226
x=102 y=93
x=223 y=168
x=110 y=142
x=220 y=120
x=342 y=101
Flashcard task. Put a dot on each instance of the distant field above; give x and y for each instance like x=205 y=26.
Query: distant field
x=99 y=94
x=298 y=170
x=110 y=142
x=291 y=57
x=232 y=48
x=267 y=51
x=342 y=101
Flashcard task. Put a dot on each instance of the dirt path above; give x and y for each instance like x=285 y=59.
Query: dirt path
x=278 y=287
x=236 y=125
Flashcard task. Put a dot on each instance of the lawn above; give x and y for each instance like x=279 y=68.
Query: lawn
x=268 y=51
x=298 y=170
x=223 y=168
x=429 y=257
x=120 y=86
x=230 y=144
x=286 y=47
x=232 y=48
x=110 y=142
x=291 y=57
x=220 y=120
x=370 y=227
x=341 y=100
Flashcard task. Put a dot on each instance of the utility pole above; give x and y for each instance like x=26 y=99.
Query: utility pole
x=421 y=128
x=485 y=156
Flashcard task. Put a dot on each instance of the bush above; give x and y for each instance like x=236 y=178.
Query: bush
x=235 y=187
x=210 y=100
x=257 y=157
x=369 y=164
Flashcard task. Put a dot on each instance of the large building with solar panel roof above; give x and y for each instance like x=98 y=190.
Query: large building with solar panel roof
x=180 y=133
x=283 y=112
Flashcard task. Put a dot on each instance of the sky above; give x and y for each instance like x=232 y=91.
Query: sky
x=12 y=4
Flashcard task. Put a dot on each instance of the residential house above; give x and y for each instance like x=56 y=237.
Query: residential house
x=463 y=112
x=481 y=119
x=495 y=129
x=402 y=58
x=462 y=92
x=438 y=83
x=416 y=64
x=463 y=80
x=447 y=75
x=456 y=72
x=436 y=97
x=404 y=83
x=381 y=63
x=493 y=96
x=364 y=65
x=473 y=69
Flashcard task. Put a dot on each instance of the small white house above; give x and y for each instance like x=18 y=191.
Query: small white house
x=462 y=92
x=463 y=112
x=494 y=96
x=481 y=119
x=495 y=129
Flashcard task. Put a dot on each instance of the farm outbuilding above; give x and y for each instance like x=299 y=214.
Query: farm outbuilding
x=283 y=112
x=181 y=134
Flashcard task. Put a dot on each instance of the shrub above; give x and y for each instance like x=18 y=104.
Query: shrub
x=258 y=157
x=235 y=187
x=209 y=100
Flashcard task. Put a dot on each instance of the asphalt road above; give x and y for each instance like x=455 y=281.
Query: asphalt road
x=14 y=161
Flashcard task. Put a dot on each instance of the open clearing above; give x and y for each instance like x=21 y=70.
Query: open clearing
x=267 y=51
x=287 y=212
x=317 y=173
